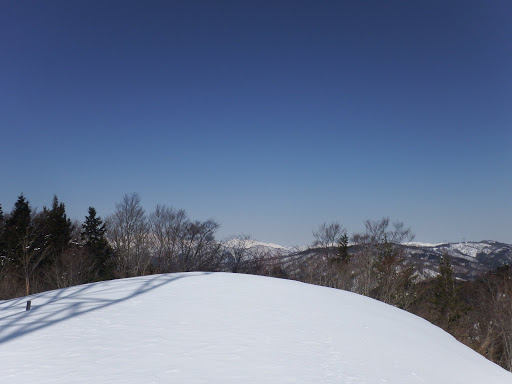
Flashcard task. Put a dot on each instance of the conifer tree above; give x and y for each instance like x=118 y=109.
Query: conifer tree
x=447 y=301
x=52 y=235
x=16 y=229
x=57 y=229
x=2 y=235
x=19 y=235
x=343 y=248
x=93 y=237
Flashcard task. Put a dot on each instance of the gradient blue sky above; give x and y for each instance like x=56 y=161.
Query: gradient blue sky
x=269 y=116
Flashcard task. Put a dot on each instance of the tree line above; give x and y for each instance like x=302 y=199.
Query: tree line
x=43 y=250
x=46 y=250
x=477 y=312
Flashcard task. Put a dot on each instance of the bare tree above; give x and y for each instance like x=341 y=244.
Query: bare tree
x=74 y=267
x=128 y=232
x=199 y=250
x=168 y=228
x=267 y=262
x=331 y=264
x=30 y=260
x=490 y=320
x=379 y=230
x=378 y=258
x=328 y=236
x=238 y=249
x=33 y=253
x=181 y=245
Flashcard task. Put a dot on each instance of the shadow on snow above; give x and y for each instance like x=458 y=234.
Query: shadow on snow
x=49 y=308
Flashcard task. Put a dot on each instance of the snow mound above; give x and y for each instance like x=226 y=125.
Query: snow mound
x=225 y=328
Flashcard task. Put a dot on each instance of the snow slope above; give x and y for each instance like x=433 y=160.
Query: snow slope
x=225 y=328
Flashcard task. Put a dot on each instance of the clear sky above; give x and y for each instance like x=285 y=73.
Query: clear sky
x=269 y=116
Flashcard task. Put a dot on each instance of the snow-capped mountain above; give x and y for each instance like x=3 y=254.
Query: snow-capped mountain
x=251 y=243
x=225 y=328
x=469 y=259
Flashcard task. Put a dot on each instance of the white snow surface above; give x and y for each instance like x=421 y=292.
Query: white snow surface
x=420 y=244
x=247 y=244
x=472 y=249
x=225 y=328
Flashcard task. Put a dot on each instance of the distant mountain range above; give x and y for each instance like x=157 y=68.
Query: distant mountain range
x=469 y=259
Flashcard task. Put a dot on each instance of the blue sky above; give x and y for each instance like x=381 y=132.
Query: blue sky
x=269 y=116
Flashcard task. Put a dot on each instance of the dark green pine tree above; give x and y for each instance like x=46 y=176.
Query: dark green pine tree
x=93 y=237
x=3 y=251
x=447 y=300
x=21 y=261
x=17 y=227
x=343 y=248
x=55 y=231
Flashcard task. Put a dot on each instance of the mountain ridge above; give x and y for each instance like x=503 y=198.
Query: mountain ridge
x=469 y=259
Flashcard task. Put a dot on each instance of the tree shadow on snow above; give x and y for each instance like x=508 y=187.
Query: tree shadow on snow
x=53 y=307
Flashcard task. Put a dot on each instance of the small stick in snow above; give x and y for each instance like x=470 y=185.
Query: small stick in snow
x=29 y=304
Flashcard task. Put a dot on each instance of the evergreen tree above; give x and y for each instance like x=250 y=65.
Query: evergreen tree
x=3 y=250
x=93 y=237
x=447 y=301
x=19 y=236
x=17 y=227
x=2 y=235
x=57 y=230
x=343 y=248
x=52 y=235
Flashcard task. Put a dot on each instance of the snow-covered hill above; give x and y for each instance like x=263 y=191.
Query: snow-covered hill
x=225 y=328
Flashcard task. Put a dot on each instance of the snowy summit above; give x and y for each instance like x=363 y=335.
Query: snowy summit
x=225 y=328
